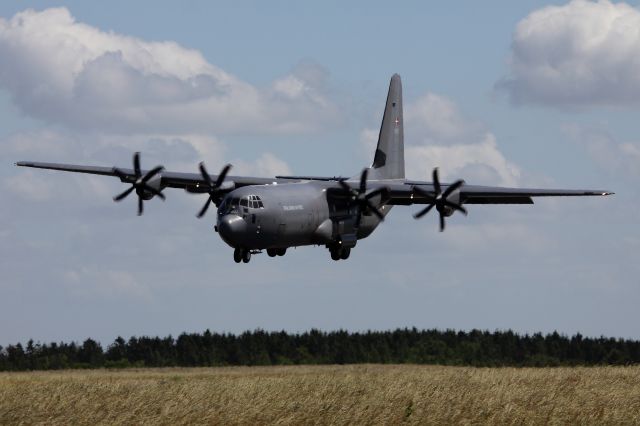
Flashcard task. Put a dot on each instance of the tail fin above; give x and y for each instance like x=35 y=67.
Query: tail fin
x=388 y=162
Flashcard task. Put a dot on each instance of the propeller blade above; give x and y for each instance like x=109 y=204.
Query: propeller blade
x=204 y=208
x=363 y=181
x=374 y=193
x=457 y=207
x=140 y=206
x=222 y=175
x=205 y=174
x=436 y=182
x=123 y=195
x=151 y=173
x=358 y=218
x=374 y=210
x=136 y=164
x=425 y=194
x=452 y=188
x=345 y=186
x=441 y=222
x=154 y=191
x=424 y=211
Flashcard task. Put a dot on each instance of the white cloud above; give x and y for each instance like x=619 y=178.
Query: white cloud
x=480 y=163
x=436 y=119
x=70 y=73
x=581 y=53
x=438 y=135
x=605 y=151
x=267 y=165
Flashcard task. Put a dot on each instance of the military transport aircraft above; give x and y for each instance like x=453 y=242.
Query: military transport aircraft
x=273 y=214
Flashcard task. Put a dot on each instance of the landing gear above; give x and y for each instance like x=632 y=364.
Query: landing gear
x=339 y=252
x=335 y=254
x=241 y=255
x=345 y=253
x=273 y=252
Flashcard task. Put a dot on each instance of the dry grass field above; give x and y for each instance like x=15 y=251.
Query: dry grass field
x=359 y=394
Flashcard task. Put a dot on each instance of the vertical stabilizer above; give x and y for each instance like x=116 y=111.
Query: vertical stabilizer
x=388 y=162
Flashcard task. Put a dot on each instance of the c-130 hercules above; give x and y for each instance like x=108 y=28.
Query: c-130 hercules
x=255 y=214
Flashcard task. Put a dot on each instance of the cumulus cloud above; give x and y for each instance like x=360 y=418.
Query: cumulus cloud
x=266 y=165
x=70 y=73
x=438 y=135
x=581 y=53
x=606 y=151
x=480 y=162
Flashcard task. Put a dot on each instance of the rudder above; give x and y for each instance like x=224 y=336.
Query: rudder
x=388 y=162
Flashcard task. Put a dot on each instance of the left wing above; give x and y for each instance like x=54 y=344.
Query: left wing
x=405 y=194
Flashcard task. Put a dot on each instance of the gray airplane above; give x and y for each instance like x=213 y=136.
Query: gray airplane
x=273 y=214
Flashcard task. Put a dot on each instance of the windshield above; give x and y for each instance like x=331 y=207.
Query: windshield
x=240 y=205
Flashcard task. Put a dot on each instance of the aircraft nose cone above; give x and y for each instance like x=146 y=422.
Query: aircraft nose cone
x=231 y=228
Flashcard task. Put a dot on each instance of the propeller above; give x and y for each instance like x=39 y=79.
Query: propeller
x=439 y=199
x=140 y=184
x=361 y=198
x=214 y=187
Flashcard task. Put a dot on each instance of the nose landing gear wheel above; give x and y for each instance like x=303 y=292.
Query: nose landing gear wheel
x=336 y=254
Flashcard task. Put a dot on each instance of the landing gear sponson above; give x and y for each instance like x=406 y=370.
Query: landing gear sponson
x=244 y=255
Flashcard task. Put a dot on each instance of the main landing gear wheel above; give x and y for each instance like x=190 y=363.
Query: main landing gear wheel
x=237 y=255
x=273 y=252
x=345 y=253
x=246 y=256
x=340 y=253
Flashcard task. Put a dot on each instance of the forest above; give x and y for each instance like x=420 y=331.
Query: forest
x=401 y=346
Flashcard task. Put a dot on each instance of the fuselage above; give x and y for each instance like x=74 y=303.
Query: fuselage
x=288 y=215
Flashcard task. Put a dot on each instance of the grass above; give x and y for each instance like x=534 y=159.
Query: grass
x=360 y=394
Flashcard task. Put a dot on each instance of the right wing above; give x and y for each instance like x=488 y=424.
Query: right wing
x=192 y=182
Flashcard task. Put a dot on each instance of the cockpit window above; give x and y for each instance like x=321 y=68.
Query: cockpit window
x=230 y=205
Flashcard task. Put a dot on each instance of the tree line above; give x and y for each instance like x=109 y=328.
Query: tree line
x=445 y=347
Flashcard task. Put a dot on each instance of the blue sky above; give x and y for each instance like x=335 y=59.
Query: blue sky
x=539 y=94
